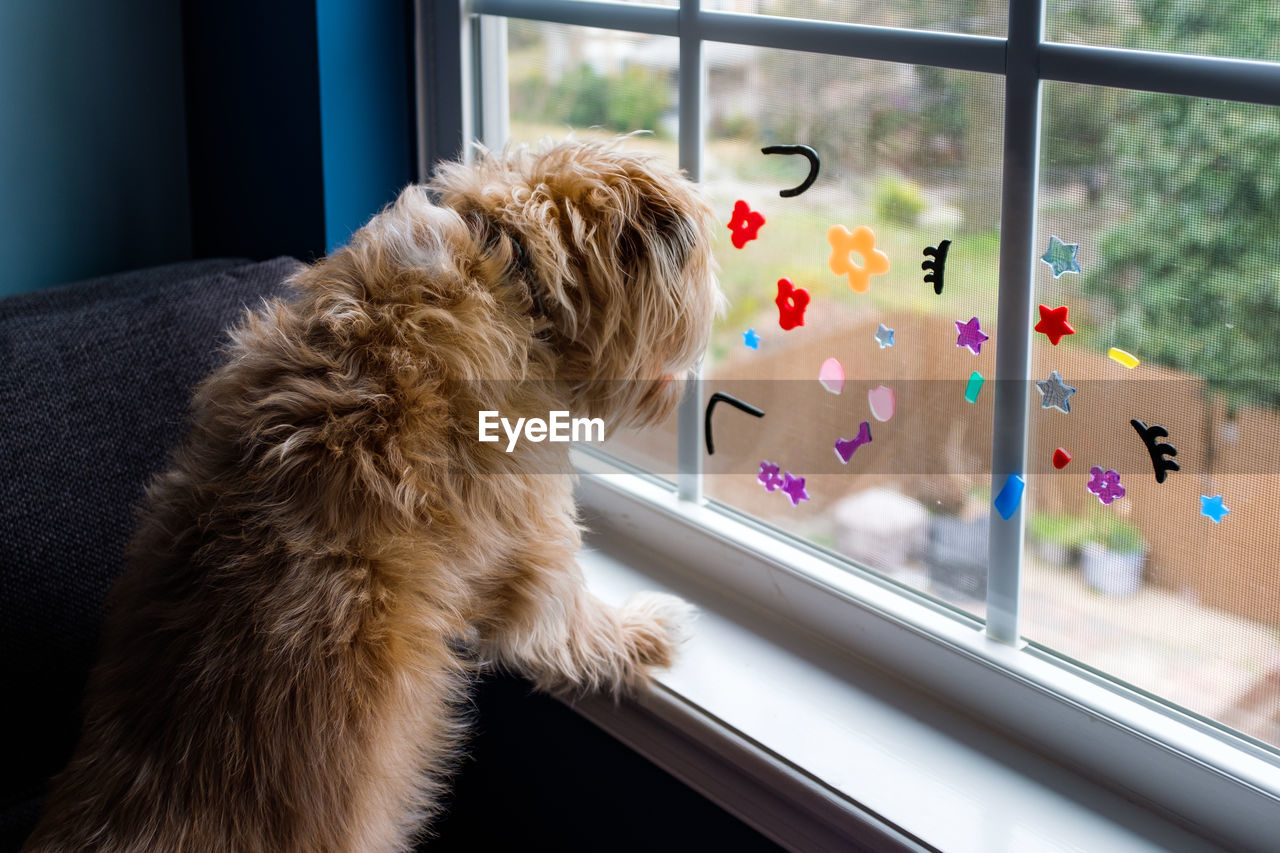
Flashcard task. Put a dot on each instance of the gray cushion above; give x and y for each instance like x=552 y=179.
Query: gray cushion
x=94 y=388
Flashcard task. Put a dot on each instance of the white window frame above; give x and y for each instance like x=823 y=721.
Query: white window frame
x=1188 y=768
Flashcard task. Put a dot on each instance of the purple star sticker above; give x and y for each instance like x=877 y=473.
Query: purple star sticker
x=794 y=489
x=1105 y=484
x=769 y=477
x=970 y=335
x=845 y=447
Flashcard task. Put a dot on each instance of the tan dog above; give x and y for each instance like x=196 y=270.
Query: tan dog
x=282 y=662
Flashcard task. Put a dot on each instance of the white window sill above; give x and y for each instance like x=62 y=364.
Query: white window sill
x=821 y=751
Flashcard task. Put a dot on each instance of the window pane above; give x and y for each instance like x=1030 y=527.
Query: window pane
x=1172 y=203
x=1238 y=28
x=597 y=84
x=913 y=153
x=980 y=17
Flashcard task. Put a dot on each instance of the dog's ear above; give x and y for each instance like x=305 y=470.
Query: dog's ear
x=660 y=233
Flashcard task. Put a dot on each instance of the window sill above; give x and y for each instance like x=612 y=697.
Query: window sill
x=820 y=750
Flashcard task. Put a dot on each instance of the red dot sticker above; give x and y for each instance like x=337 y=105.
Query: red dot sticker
x=1061 y=458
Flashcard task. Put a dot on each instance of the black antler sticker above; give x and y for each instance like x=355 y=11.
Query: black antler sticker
x=938 y=265
x=1158 y=449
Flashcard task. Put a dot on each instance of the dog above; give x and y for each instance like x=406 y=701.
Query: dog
x=332 y=554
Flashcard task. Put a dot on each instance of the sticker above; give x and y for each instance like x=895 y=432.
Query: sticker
x=831 y=375
x=1121 y=357
x=1053 y=323
x=1105 y=484
x=884 y=336
x=769 y=476
x=791 y=302
x=938 y=264
x=721 y=397
x=751 y=339
x=1061 y=459
x=1157 y=449
x=970 y=335
x=1061 y=257
x=882 y=403
x=846 y=447
x=974 y=388
x=1006 y=503
x=1212 y=507
x=805 y=151
x=745 y=224
x=1054 y=393
x=793 y=487
x=863 y=242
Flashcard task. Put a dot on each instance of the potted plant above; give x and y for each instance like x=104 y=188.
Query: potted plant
x=1113 y=558
x=956 y=553
x=1056 y=538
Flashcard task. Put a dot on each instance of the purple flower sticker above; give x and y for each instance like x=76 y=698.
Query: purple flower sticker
x=769 y=476
x=1105 y=484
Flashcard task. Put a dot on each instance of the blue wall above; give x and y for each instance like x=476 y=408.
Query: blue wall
x=93 y=165
x=141 y=132
x=365 y=109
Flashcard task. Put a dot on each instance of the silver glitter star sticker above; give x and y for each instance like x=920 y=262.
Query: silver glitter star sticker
x=1054 y=393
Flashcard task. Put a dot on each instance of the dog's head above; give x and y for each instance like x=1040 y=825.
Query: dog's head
x=618 y=251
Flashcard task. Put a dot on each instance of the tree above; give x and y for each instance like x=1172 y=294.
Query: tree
x=1192 y=273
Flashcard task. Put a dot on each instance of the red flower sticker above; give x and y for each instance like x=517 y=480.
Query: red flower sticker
x=745 y=224
x=791 y=302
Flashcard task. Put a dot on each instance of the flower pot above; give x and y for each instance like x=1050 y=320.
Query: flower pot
x=1112 y=572
x=1052 y=553
x=957 y=556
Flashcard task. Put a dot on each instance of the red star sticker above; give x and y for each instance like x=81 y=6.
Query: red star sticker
x=745 y=224
x=791 y=303
x=1053 y=322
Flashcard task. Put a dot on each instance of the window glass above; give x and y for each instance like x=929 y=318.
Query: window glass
x=1171 y=202
x=1235 y=28
x=981 y=17
x=914 y=154
x=598 y=84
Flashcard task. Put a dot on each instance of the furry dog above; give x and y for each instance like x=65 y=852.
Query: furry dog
x=332 y=550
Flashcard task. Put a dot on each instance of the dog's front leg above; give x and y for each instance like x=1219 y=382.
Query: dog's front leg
x=556 y=633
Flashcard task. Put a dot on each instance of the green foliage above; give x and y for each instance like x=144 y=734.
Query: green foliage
x=1108 y=529
x=1072 y=532
x=1069 y=531
x=897 y=200
x=633 y=100
x=1191 y=274
x=637 y=99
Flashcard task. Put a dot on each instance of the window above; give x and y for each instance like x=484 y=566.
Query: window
x=1147 y=135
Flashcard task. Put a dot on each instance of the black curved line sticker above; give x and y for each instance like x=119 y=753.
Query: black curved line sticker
x=805 y=151
x=718 y=397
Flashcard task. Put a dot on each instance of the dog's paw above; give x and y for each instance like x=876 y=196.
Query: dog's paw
x=656 y=624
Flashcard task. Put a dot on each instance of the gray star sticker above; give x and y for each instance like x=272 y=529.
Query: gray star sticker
x=884 y=336
x=1054 y=393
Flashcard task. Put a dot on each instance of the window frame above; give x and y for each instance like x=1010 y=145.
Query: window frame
x=1183 y=765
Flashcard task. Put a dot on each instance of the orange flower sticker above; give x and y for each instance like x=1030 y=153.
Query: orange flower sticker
x=862 y=242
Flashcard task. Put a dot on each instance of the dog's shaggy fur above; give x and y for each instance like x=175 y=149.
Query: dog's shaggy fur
x=332 y=549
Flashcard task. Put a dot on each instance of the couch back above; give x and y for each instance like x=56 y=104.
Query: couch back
x=94 y=388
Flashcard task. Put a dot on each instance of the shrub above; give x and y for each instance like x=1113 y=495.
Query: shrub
x=897 y=201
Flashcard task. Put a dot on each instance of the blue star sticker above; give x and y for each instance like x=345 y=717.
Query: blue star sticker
x=1061 y=256
x=1212 y=507
x=751 y=339
x=884 y=336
